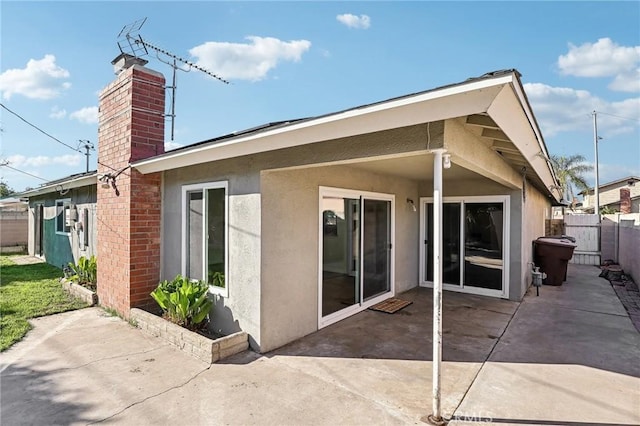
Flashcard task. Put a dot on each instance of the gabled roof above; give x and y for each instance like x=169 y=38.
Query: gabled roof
x=69 y=182
x=498 y=95
x=612 y=183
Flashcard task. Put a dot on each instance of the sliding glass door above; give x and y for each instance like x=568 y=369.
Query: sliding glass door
x=355 y=252
x=474 y=258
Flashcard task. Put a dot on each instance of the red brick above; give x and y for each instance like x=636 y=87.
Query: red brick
x=129 y=224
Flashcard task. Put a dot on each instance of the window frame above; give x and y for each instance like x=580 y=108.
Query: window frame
x=66 y=204
x=186 y=189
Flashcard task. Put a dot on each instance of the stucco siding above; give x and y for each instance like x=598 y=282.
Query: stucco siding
x=241 y=309
x=536 y=208
x=621 y=241
x=290 y=243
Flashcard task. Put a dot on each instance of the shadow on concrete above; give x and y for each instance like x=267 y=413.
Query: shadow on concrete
x=581 y=323
x=532 y=422
x=472 y=326
x=29 y=396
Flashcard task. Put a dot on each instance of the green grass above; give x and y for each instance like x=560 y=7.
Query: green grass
x=29 y=291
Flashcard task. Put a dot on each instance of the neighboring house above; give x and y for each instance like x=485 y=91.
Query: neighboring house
x=299 y=224
x=62 y=219
x=611 y=194
x=13 y=224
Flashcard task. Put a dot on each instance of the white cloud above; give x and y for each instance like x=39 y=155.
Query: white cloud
x=604 y=58
x=169 y=145
x=43 y=160
x=58 y=113
x=354 y=21
x=627 y=82
x=248 y=61
x=562 y=109
x=88 y=115
x=610 y=172
x=40 y=79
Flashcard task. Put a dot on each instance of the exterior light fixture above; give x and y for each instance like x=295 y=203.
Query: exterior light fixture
x=446 y=161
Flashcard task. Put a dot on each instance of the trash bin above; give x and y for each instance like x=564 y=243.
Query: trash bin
x=552 y=256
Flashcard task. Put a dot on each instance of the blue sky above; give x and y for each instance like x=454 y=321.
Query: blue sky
x=299 y=59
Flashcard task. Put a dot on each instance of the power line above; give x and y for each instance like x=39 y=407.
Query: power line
x=77 y=149
x=38 y=128
x=619 y=116
x=22 y=171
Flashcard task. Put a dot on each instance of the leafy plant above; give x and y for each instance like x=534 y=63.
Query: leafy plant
x=183 y=301
x=607 y=210
x=570 y=171
x=216 y=279
x=85 y=272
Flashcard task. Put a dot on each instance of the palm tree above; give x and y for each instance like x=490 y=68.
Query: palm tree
x=569 y=172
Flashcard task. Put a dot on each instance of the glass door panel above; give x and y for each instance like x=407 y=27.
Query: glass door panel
x=450 y=243
x=376 y=248
x=195 y=241
x=340 y=262
x=483 y=251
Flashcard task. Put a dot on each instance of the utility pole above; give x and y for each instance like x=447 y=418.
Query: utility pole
x=596 y=190
x=87 y=146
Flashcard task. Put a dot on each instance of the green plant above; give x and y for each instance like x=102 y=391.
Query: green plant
x=183 y=301
x=607 y=210
x=85 y=272
x=29 y=291
x=216 y=279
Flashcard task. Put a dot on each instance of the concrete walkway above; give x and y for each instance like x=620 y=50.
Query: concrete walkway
x=568 y=357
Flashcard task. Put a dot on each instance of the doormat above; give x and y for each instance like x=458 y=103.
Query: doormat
x=391 y=305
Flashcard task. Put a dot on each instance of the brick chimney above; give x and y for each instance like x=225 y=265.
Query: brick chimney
x=625 y=200
x=131 y=127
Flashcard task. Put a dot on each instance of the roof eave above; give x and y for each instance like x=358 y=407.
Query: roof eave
x=319 y=129
x=67 y=184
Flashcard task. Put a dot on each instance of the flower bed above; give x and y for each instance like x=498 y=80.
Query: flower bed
x=83 y=293
x=195 y=344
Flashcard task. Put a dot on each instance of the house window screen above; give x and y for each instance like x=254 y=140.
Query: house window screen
x=206 y=235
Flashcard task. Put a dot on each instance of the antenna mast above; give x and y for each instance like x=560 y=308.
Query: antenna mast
x=131 y=42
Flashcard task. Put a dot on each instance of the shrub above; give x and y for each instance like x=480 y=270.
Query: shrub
x=183 y=301
x=85 y=272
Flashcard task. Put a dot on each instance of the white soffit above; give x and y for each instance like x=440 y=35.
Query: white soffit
x=522 y=131
x=455 y=101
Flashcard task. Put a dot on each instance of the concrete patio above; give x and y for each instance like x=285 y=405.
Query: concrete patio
x=570 y=356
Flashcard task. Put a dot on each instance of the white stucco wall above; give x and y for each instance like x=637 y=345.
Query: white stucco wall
x=535 y=209
x=621 y=241
x=241 y=309
x=290 y=243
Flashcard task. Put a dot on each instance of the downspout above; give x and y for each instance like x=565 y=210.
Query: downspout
x=435 y=417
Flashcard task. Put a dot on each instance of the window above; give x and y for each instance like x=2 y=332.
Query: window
x=63 y=208
x=204 y=242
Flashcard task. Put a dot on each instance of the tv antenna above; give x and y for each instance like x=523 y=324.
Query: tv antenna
x=131 y=43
